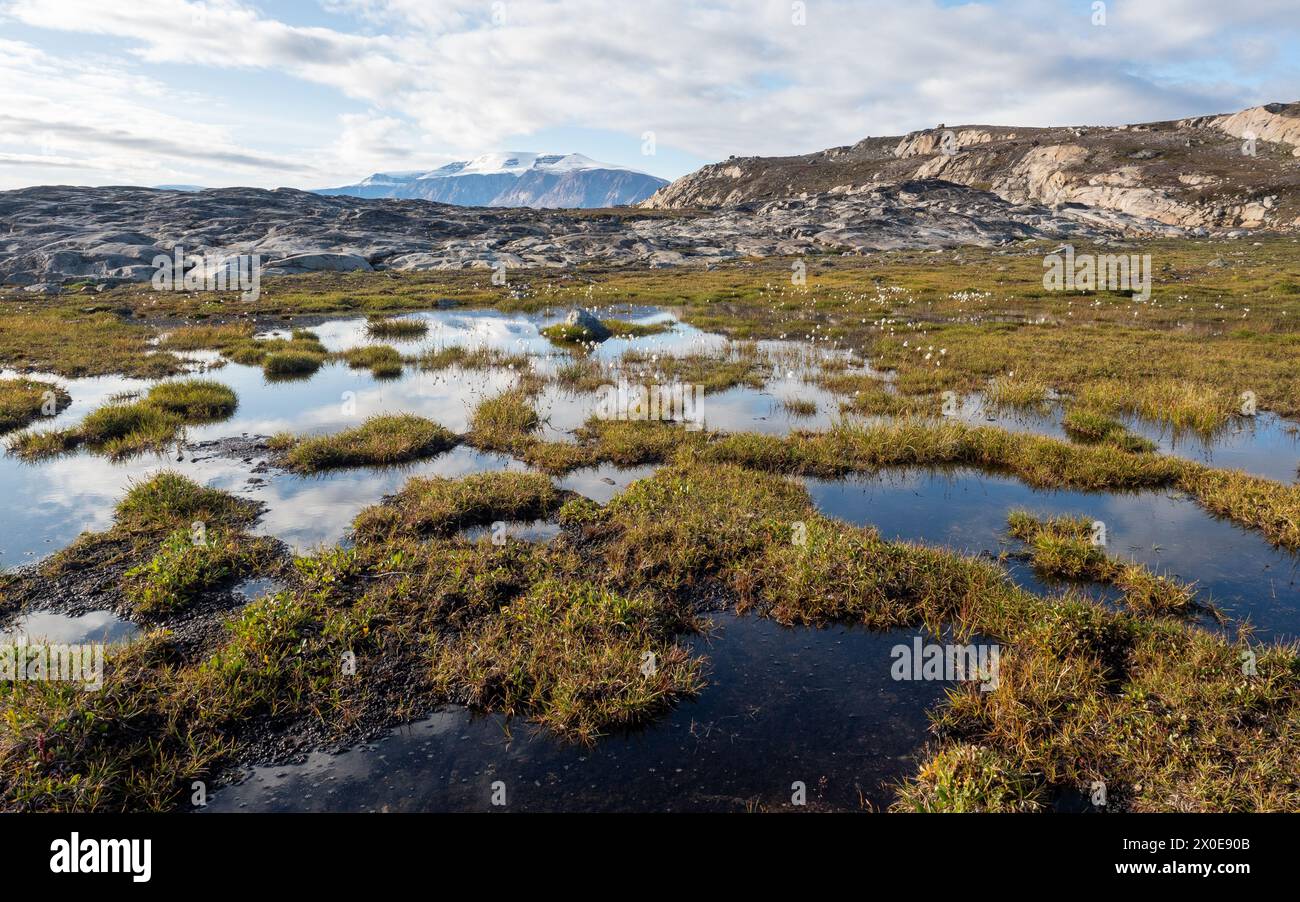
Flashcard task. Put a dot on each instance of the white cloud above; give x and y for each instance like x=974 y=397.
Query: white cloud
x=729 y=76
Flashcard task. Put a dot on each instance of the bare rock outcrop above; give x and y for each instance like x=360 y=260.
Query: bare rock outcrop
x=1275 y=122
x=1195 y=174
x=53 y=235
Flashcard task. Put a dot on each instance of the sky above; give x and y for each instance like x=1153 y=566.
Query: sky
x=317 y=93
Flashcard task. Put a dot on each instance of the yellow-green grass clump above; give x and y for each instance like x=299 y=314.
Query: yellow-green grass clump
x=134 y=427
x=799 y=407
x=396 y=328
x=383 y=361
x=168 y=500
x=1036 y=460
x=739 y=363
x=379 y=441
x=23 y=400
x=505 y=422
x=194 y=400
x=1017 y=391
x=481 y=358
x=571 y=334
x=291 y=364
x=1181 y=404
x=867 y=395
x=299 y=355
x=1093 y=428
x=624 y=443
x=207 y=336
x=1271 y=507
x=584 y=374
x=149 y=512
x=574 y=656
x=438 y=506
x=1064 y=548
x=188 y=563
x=686 y=525
x=964 y=778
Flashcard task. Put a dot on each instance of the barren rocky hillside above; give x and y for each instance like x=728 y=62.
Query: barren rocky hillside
x=53 y=235
x=1200 y=174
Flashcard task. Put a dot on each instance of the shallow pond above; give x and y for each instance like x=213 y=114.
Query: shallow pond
x=51 y=502
x=1263 y=445
x=64 y=629
x=967 y=511
x=782 y=705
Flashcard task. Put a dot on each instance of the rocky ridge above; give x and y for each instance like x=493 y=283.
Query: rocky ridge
x=1202 y=174
x=54 y=235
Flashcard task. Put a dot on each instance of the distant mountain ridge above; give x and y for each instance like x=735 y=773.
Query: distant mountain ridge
x=513 y=179
x=1235 y=171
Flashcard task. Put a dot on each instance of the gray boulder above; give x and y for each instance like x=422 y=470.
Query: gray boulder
x=586 y=320
x=300 y=263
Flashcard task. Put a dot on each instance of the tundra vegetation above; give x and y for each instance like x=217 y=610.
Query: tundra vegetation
x=1221 y=321
x=557 y=632
x=123 y=428
x=395 y=328
x=1138 y=694
x=380 y=440
x=24 y=400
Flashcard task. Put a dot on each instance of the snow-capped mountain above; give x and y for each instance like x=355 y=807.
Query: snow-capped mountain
x=514 y=179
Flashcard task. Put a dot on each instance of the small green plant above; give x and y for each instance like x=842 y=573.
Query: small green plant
x=186 y=565
x=968 y=778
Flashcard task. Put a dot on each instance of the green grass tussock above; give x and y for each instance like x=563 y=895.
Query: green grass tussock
x=437 y=506
x=1093 y=428
x=573 y=655
x=393 y=328
x=134 y=427
x=505 y=421
x=24 y=400
x=1063 y=548
x=383 y=361
x=379 y=441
